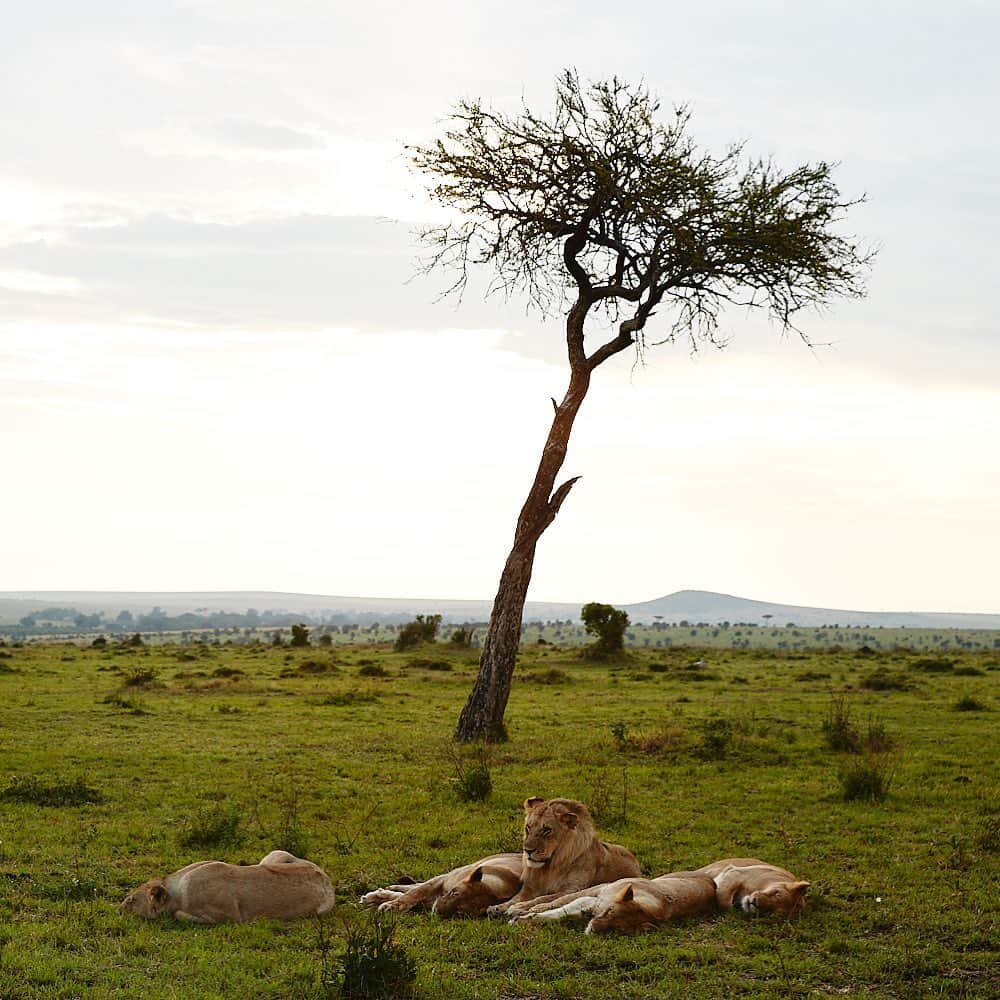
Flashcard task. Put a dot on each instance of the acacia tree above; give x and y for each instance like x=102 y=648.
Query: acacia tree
x=607 y=214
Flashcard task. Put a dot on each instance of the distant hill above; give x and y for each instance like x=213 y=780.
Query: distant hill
x=685 y=605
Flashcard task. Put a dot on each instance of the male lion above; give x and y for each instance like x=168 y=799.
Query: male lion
x=465 y=891
x=281 y=886
x=629 y=905
x=562 y=854
x=756 y=887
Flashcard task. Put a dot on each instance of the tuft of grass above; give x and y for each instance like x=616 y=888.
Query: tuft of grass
x=969 y=704
x=425 y=663
x=343 y=698
x=934 y=665
x=372 y=670
x=56 y=794
x=884 y=680
x=139 y=677
x=216 y=824
x=374 y=966
x=867 y=780
x=551 y=676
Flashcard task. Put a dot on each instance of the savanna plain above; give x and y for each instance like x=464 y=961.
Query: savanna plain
x=873 y=774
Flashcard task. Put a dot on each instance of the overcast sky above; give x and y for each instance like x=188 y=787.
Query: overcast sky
x=218 y=372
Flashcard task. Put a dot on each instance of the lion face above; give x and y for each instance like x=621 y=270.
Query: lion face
x=623 y=915
x=149 y=900
x=784 y=898
x=547 y=823
x=472 y=896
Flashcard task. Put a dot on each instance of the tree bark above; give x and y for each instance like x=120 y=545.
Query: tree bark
x=482 y=717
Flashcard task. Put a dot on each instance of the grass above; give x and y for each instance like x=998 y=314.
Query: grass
x=737 y=764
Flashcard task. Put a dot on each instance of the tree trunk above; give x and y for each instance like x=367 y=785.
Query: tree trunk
x=482 y=717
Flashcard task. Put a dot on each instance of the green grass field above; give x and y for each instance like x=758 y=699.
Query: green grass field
x=344 y=754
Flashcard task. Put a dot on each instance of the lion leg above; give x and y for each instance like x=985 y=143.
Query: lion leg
x=377 y=896
x=577 y=905
x=418 y=897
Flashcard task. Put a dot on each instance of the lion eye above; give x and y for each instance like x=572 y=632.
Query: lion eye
x=546 y=831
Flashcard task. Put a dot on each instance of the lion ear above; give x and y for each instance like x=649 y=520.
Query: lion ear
x=799 y=888
x=475 y=876
x=626 y=895
x=158 y=894
x=567 y=817
x=530 y=804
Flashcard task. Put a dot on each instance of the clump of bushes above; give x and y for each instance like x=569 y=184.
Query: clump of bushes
x=423 y=628
x=139 y=677
x=30 y=789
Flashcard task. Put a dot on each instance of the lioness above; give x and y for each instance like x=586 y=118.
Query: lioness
x=465 y=891
x=754 y=886
x=629 y=905
x=281 y=886
x=562 y=854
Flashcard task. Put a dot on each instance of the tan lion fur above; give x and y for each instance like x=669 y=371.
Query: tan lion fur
x=464 y=891
x=563 y=854
x=630 y=905
x=754 y=886
x=281 y=887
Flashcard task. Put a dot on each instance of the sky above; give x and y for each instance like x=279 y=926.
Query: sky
x=220 y=369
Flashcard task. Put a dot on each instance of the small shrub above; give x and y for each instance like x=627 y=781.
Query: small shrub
x=839 y=732
x=229 y=672
x=343 y=698
x=216 y=824
x=100 y=642
x=551 y=676
x=128 y=704
x=969 y=704
x=619 y=732
x=27 y=788
x=968 y=672
x=988 y=834
x=423 y=663
x=659 y=668
x=372 y=670
x=374 y=966
x=867 y=780
x=317 y=667
x=476 y=784
x=812 y=675
x=139 y=677
x=716 y=738
x=423 y=628
x=934 y=665
x=884 y=680
x=462 y=638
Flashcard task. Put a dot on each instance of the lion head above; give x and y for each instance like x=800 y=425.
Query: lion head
x=787 y=899
x=478 y=890
x=149 y=900
x=554 y=828
x=623 y=914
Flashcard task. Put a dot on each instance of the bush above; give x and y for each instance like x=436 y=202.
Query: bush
x=214 y=825
x=374 y=966
x=462 y=637
x=372 y=670
x=608 y=624
x=423 y=663
x=716 y=738
x=883 y=680
x=423 y=628
x=969 y=704
x=551 y=676
x=839 y=733
x=139 y=677
x=75 y=792
x=934 y=665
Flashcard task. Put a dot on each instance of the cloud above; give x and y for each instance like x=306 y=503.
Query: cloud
x=313 y=271
x=245 y=134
